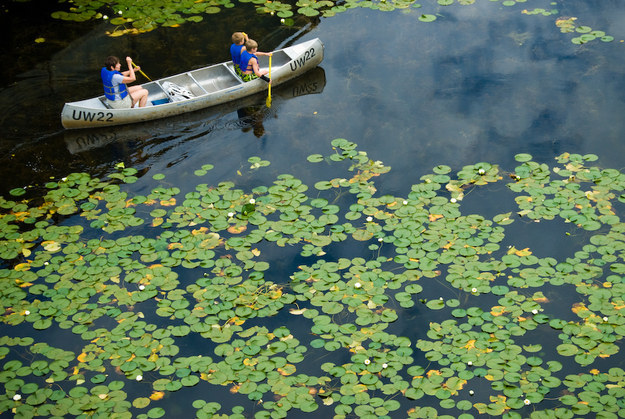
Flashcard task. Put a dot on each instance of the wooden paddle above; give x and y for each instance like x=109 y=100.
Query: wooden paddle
x=141 y=71
x=269 y=91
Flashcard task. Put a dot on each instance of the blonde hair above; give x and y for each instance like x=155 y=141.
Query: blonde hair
x=251 y=44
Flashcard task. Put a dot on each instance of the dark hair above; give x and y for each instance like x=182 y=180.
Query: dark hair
x=111 y=61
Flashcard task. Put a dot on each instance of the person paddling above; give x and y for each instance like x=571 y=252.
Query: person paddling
x=249 y=62
x=118 y=95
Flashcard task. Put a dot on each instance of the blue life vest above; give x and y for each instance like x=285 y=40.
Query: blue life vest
x=235 y=52
x=109 y=89
x=245 y=60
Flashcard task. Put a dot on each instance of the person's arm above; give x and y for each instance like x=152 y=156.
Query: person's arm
x=258 y=72
x=129 y=76
x=256 y=68
x=268 y=54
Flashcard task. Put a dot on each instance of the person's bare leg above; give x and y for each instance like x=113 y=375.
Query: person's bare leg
x=138 y=94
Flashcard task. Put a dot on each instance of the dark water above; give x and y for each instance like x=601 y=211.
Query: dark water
x=482 y=83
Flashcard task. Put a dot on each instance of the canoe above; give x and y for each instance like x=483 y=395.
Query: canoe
x=239 y=114
x=209 y=86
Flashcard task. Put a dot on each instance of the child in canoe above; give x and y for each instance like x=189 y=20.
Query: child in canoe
x=249 y=62
x=237 y=47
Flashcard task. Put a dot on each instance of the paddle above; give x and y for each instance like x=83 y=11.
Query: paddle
x=141 y=71
x=269 y=91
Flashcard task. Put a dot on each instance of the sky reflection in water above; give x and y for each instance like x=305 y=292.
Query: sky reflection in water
x=482 y=83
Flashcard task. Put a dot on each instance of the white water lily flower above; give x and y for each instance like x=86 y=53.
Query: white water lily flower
x=357 y=285
x=252 y=201
x=105 y=17
x=141 y=287
x=45 y=263
x=17 y=397
x=139 y=377
x=526 y=401
x=534 y=311
x=369 y=218
x=120 y=12
x=26 y=312
x=469 y=363
x=441 y=298
x=405 y=202
x=481 y=171
x=367 y=362
x=380 y=239
x=231 y=214
x=605 y=319
x=385 y=365
x=471 y=392
x=453 y=200
x=473 y=289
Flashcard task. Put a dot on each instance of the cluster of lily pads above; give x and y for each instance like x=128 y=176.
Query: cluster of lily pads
x=130 y=17
x=567 y=25
x=424 y=313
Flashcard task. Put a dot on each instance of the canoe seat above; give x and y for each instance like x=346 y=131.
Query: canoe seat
x=105 y=103
x=216 y=78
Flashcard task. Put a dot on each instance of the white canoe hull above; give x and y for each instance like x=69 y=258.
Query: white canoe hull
x=210 y=85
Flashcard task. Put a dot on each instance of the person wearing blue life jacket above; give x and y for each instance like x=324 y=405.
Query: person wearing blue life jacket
x=237 y=47
x=118 y=95
x=249 y=62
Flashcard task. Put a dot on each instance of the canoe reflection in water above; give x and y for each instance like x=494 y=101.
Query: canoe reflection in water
x=251 y=113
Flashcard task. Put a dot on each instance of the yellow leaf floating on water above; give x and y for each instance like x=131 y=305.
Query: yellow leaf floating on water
x=250 y=362
x=51 y=246
x=470 y=344
x=157 y=395
x=169 y=203
x=237 y=229
x=498 y=310
x=524 y=252
x=288 y=369
x=566 y=24
x=296 y=311
x=82 y=357
x=434 y=217
x=20 y=267
x=201 y=230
